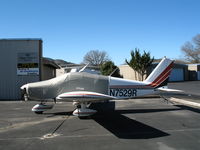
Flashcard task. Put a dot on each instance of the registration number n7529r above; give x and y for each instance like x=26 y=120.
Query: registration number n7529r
x=123 y=92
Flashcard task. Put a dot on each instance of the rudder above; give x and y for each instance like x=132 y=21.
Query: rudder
x=160 y=75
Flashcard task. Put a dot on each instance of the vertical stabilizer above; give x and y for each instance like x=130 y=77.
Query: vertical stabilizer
x=160 y=75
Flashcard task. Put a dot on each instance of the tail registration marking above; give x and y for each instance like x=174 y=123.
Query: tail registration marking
x=123 y=92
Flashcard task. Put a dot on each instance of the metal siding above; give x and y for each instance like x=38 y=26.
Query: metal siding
x=10 y=82
x=177 y=74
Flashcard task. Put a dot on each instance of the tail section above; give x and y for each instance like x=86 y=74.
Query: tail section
x=160 y=75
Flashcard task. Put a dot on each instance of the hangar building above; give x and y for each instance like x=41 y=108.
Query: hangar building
x=194 y=72
x=49 y=68
x=179 y=72
x=20 y=63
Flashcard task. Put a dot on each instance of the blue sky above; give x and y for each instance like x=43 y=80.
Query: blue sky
x=70 y=28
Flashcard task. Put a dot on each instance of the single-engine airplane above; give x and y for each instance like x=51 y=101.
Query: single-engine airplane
x=83 y=88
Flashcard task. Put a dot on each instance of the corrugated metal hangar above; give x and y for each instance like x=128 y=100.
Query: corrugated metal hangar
x=20 y=63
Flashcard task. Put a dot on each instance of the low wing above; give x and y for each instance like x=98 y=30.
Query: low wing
x=84 y=96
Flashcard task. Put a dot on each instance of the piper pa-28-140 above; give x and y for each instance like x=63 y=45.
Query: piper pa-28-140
x=83 y=88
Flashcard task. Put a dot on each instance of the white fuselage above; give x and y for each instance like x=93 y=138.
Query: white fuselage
x=122 y=88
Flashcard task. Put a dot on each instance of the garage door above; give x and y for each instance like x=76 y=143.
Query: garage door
x=198 y=75
x=176 y=75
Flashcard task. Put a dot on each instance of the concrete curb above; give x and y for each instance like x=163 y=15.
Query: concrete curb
x=185 y=102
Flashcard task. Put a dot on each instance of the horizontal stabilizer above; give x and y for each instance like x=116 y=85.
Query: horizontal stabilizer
x=168 y=90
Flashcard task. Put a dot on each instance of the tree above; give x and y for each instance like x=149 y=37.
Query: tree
x=109 y=67
x=133 y=63
x=191 y=50
x=140 y=63
x=96 y=57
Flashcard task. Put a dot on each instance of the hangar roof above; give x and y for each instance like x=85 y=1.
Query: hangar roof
x=49 y=62
x=21 y=39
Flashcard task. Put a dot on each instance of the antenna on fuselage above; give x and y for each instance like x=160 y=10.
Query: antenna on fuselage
x=114 y=71
x=84 y=68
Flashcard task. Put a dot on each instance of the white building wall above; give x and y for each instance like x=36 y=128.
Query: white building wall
x=60 y=72
x=128 y=73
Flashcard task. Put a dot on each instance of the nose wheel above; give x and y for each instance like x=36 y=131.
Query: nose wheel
x=40 y=108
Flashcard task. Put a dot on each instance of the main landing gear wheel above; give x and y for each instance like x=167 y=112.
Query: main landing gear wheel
x=82 y=111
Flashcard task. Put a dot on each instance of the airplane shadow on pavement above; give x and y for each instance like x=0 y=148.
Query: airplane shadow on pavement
x=69 y=113
x=127 y=128
x=124 y=127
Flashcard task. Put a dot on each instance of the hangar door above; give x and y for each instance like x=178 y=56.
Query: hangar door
x=198 y=75
x=177 y=74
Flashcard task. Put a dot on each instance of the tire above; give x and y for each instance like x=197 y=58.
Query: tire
x=84 y=117
x=38 y=112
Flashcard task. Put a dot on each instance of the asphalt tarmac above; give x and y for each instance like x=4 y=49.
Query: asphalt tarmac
x=141 y=124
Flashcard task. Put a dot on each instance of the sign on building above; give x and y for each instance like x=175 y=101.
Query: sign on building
x=28 y=64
